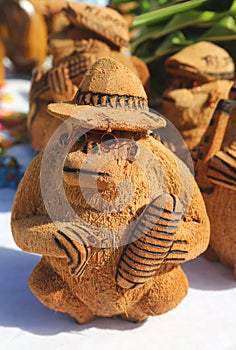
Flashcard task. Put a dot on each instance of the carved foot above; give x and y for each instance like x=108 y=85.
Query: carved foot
x=210 y=254
x=134 y=315
x=165 y=293
x=54 y=293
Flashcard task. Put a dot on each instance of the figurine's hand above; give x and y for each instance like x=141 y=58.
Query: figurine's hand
x=153 y=242
x=222 y=169
x=178 y=252
x=60 y=84
x=76 y=251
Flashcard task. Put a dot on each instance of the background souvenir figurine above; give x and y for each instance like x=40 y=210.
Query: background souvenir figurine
x=54 y=22
x=23 y=32
x=201 y=75
x=138 y=220
x=93 y=32
x=216 y=176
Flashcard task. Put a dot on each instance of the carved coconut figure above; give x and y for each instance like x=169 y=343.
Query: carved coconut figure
x=216 y=176
x=121 y=258
x=94 y=32
x=201 y=75
x=55 y=22
x=20 y=24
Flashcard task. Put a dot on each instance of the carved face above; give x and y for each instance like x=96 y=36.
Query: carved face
x=201 y=76
x=100 y=153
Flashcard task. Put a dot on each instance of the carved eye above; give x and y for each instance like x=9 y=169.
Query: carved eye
x=132 y=151
x=82 y=139
x=64 y=139
x=109 y=141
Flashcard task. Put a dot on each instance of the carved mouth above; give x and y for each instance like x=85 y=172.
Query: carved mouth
x=83 y=171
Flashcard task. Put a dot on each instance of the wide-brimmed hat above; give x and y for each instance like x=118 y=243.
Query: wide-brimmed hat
x=201 y=61
x=106 y=22
x=110 y=96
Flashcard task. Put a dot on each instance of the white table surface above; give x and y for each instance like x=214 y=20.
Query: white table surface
x=205 y=320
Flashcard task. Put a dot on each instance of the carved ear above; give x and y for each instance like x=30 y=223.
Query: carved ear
x=222 y=169
x=155 y=232
x=77 y=252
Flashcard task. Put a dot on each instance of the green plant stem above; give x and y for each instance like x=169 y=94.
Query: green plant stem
x=166 y=12
x=179 y=21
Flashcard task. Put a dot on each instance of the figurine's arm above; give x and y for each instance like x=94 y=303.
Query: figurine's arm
x=70 y=241
x=212 y=142
x=155 y=234
x=164 y=236
x=222 y=169
x=32 y=228
x=60 y=84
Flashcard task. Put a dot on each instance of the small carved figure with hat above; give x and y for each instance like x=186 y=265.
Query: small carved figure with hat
x=118 y=216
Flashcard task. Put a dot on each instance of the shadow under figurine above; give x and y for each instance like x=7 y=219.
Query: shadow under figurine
x=201 y=75
x=134 y=271
x=215 y=167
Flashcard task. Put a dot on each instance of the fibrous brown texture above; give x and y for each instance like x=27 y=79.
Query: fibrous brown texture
x=215 y=174
x=106 y=22
x=190 y=109
x=59 y=84
x=202 y=75
x=24 y=34
x=203 y=61
x=96 y=292
x=74 y=50
x=136 y=219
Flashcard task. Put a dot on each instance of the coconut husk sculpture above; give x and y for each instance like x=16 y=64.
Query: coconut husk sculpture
x=201 y=75
x=216 y=176
x=20 y=25
x=94 y=32
x=85 y=271
x=55 y=21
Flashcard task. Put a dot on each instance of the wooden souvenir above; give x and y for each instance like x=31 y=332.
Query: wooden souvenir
x=105 y=25
x=216 y=177
x=89 y=275
x=103 y=21
x=55 y=21
x=74 y=50
x=201 y=75
x=24 y=34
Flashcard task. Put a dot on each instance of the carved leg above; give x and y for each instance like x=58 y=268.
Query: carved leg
x=165 y=293
x=210 y=254
x=53 y=292
x=135 y=314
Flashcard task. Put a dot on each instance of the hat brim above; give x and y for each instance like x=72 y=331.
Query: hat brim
x=104 y=118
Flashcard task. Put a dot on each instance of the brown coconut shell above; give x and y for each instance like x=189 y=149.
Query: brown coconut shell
x=215 y=174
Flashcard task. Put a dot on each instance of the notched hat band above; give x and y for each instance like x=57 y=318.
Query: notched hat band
x=114 y=100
